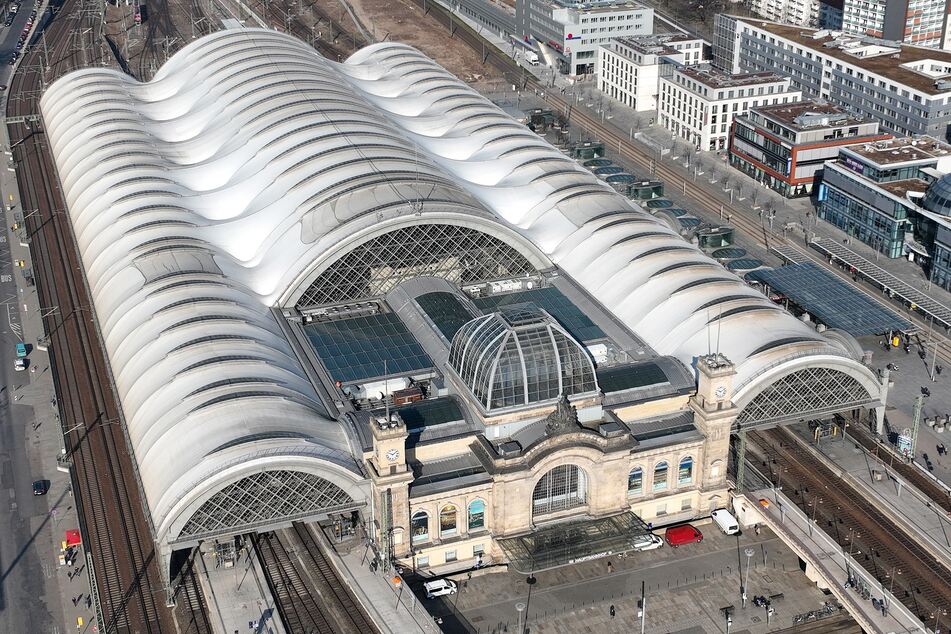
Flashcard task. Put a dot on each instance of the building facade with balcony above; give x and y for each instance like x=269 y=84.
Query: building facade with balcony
x=697 y=104
x=785 y=146
x=906 y=88
x=629 y=68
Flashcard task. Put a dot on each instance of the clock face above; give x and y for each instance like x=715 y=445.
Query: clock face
x=720 y=392
x=392 y=455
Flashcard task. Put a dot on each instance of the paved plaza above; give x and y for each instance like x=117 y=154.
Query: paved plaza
x=686 y=589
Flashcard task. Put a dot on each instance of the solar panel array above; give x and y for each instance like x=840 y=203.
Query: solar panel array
x=555 y=303
x=446 y=311
x=626 y=377
x=430 y=413
x=831 y=300
x=366 y=347
x=923 y=303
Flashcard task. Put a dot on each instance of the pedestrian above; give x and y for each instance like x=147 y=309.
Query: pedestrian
x=610 y=567
x=612 y=612
x=756 y=528
x=70 y=575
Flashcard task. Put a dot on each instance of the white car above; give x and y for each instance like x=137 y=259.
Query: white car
x=19 y=365
x=439 y=588
x=655 y=542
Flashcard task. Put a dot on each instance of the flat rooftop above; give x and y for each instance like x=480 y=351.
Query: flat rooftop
x=596 y=5
x=713 y=78
x=901 y=150
x=885 y=65
x=657 y=44
x=809 y=115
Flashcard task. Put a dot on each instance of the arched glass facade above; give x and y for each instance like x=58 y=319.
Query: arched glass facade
x=938 y=196
x=519 y=356
x=562 y=488
x=458 y=254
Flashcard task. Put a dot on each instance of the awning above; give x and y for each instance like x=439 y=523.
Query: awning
x=73 y=538
x=574 y=542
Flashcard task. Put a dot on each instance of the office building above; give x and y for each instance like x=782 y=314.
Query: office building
x=784 y=146
x=894 y=196
x=918 y=22
x=629 y=68
x=698 y=104
x=906 y=88
x=571 y=31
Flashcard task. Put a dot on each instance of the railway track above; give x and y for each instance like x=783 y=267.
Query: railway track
x=323 y=32
x=909 y=472
x=310 y=597
x=115 y=528
x=896 y=560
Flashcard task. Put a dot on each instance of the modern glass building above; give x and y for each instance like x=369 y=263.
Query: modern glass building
x=892 y=196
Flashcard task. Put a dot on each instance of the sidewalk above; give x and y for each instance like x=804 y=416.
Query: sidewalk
x=393 y=607
x=33 y=407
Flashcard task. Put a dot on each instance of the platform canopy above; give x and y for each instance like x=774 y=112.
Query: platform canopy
x=831 y=300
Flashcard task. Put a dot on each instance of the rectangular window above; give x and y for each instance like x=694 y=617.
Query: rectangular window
x=450 y=556
x=661 y=510
x=478 y=549
x=686 y=504
x=422 y=562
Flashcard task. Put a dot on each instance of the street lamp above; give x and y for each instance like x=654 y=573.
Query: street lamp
x=520 y=607
x=749 y=552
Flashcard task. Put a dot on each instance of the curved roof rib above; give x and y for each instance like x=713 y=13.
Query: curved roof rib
x=204 y=197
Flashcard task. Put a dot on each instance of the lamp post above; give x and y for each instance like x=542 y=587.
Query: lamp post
x=749 y=552
x=520 y=607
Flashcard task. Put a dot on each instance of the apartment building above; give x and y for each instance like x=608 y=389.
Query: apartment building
x=629 y=68
x=573 y=29
x=785 y=146
x=698 y=103
x=918 y=22
x=906 y=88
x=894 y=196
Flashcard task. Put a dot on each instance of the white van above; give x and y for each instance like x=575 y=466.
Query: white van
x=726 y=521
x=439 y=587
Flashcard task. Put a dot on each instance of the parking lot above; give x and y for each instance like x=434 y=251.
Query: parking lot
x=686 y=589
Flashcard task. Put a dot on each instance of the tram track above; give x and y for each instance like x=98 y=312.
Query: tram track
x=892 y=557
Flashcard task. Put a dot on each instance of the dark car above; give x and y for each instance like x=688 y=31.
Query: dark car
x=41 y=487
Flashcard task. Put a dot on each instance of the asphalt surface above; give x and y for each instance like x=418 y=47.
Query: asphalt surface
x=24 y=518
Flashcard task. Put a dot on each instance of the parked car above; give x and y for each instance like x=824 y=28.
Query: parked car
x=20 y=364
x=439 y=588
x=21 y=350
x=650 y=543
x=41 y=487
x=683 y=534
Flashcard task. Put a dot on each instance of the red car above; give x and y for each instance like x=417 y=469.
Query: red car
x=680 y=535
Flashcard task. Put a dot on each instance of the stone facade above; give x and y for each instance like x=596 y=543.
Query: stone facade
x=678 y=480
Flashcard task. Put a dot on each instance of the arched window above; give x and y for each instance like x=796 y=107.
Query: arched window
x=685 y=473
x=447 y=521
x=660 y=476
x=563 y=487
x=476 y=515
x=419 y=526
x=635 y=481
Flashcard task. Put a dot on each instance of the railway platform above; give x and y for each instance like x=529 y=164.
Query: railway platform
x=896 y=497
x=827 y=563
x=237 y=595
